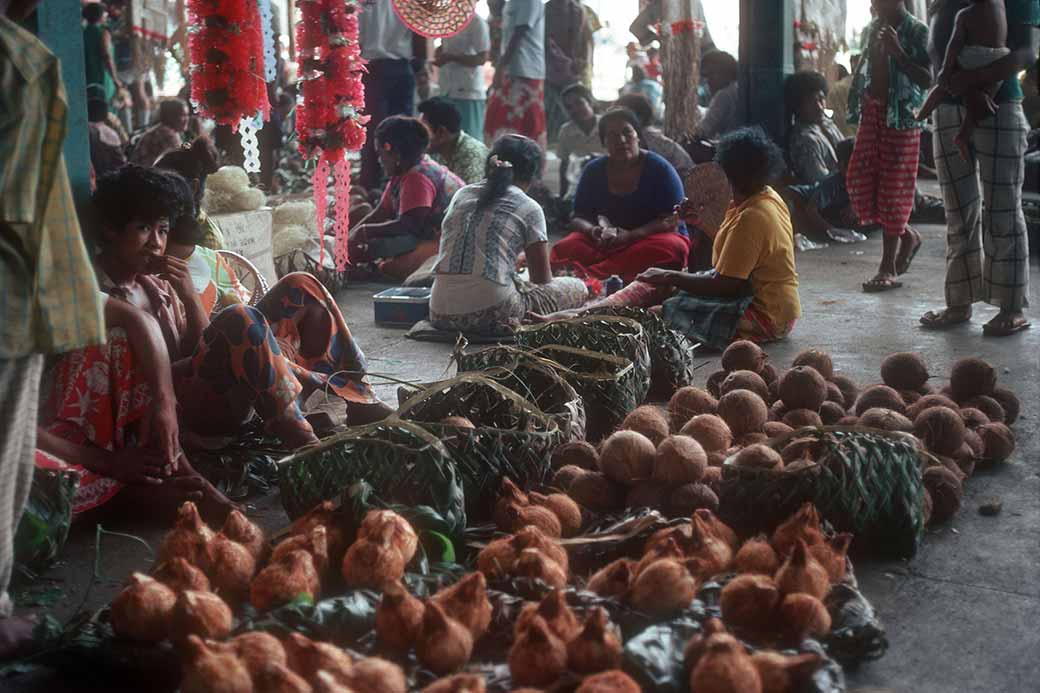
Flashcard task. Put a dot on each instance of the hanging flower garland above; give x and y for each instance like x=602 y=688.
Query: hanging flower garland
x=329 y=119
x=227 y=57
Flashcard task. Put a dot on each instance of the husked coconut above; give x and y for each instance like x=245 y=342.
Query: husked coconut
x=817 y=359
x=690 y=497
x=777 y=410
x=946 y=492
x=940 y=429
x=831 y=413
x=648 y=420
x=799 y=448
x=566 y=475
x=578 y=453
x=1009 y=402
x=680 y=460
x=904 y=371
x=998 y=442
x=974 y=441
x=910 y=396
x=745 y=380
x=971 y=377
x=714 y=383
x=743 y=355
x=743 y=411
x=775 y=429
x=886 y=420
x=759 y=457
x=627 y=457
x=848 y=421
x=688 y=402
x=797 y=418
x=713 y=478
x=848 y=388
x=973 y=418
x=769 y=373
x=988 y=406
x=803 y=387
x=596 y=492
x=834 y=394
x=751 y=439
x=710 y=431
x=929 y=401
x=879 y=396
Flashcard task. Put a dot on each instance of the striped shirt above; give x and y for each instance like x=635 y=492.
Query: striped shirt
x=49 y=300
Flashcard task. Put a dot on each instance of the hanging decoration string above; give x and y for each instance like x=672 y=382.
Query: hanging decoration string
x=248 y=129
x=329 y=115
x=270 y=57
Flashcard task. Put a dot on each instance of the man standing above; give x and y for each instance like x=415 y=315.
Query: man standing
x=461 y=60
x=395 y=56
x=564 y=56
x=987 y=255
x=49 y=299
x=517 y=101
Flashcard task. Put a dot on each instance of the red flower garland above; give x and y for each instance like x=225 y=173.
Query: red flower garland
x=226 y=48
x=329 y=119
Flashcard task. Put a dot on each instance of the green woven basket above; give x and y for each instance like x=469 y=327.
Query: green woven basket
x=866 y=481
x=671 y=352
x=608 y=335
x=402 y=462
x=512 y=437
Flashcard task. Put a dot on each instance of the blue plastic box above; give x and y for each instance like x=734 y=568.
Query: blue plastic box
x=402 y=306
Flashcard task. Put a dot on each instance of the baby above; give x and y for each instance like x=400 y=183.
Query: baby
x=979 y=39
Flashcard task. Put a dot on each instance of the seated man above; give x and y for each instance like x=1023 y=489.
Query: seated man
x=578 y=141
x=165 y=136
x=449 y=145
x=752 y=292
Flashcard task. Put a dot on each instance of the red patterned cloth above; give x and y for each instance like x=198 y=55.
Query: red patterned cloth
x=517 y=106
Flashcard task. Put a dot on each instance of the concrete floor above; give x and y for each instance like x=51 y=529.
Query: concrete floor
x=961 y=616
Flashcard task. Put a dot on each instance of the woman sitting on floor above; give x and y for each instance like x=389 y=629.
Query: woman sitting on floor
x=486 y=228
x=206 y=377
x=624 y=218
x=752 y=292
x=402 y=232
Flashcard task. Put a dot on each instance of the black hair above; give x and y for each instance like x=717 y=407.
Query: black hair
x=638 y=73
x=618 y=113
x=843 y=72
x=723 y=61
x=185 y=229
x=750 y=159
x=799 y=86
x=97 y=110
x=639 y=105
x=194 y=163
x=525 y=157
x=409 y=136
x=93 y=12
x=578 y=89
x=135 y=192
x=170 y=109
x=441 y=113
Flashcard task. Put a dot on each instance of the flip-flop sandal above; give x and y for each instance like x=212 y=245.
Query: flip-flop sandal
x=912 y=255
x=877 y=286
x=941 y=320
x=1006 y=329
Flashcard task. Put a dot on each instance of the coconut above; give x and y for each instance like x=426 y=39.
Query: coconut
x=596 y=492
x=831 y=413
x=743 y=355
x=910 y=396
x=929 y=401
x=847 y=421
x=743 y=411
x=848 y=388
x=834 y=394
x=945 y=490
x=816 y=359
x=688 y=402
x=745 y=380
x=988 y=406
x=940 y=429
x=690 y=497
x=566 y=475
x=774 y=429
x=769 y=373
x=1009 y=402
x=973 y=418
x=774 y=391
x=679 y=460
x=904 y=371
x=759 y=457
x=797 y=418
x=627 y=457
x=965 y=459
x=886 y=420
x=971 y=377
x=713 y=478
x=457 y=422
x=578 y=453
x=647 y=494
x=710 y=431
x=801 y=448
x=800 y=464
x=879 y=396
x=751 y=439
x=998 y=442
x=973 y=440
x=717 y=459
x=714 y=383
x=777 y=410
x=803 y=387
x=648 y=420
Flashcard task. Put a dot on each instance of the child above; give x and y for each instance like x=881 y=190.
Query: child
x=887 y=90
x=979 y=39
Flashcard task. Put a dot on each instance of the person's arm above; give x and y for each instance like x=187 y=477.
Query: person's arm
x=954 y=47
x=916 y=69
x=110 y=64
x=538 y=268
x=807 y=160
x=131 y=465
x=1023 y=39
x=411 y=222
x=698 y=284
x=509 y=53
x=175 y=270
x=714 y=121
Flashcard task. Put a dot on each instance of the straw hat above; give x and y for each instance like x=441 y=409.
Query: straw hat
x=435 y=18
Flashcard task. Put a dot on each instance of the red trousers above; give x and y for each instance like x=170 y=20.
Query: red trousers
x=665 y=250
x=882 y=173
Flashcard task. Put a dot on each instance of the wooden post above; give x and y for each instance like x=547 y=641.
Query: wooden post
x=58 y=24
x=766 y=58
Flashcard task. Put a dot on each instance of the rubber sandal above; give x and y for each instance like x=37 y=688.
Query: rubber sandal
x=912 y=255
x=877 y=286
x=941 y=320
x=1007 y=329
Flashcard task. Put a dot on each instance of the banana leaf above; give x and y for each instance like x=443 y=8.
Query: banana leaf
x=44 y=526
x=246 y=468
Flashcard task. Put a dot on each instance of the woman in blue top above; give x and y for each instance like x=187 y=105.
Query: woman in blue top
x=624 y=220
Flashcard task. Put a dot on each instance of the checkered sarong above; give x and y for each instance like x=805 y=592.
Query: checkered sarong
x=987 y=248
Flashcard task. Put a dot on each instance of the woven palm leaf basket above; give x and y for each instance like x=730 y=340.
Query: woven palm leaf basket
x=608 y=335
x=671 y=352
x=404 y=463
x=864 y=481
x=511 y=437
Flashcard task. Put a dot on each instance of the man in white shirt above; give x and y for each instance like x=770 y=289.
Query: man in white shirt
x=461 y=60
x=395 y=55
x=517 y=100
x=579 y=138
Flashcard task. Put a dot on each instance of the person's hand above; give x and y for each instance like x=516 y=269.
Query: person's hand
x=175 y=270
x=134 y=466
x=655 y=276
x=890 y=42
x=159 y=431
x=617 y=240
x=954 y=84
x=496 y=81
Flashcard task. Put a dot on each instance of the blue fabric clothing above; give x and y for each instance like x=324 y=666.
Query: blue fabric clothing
x=472 y=112
x=660 y=189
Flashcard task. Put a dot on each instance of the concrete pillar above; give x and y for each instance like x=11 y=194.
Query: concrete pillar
x=58 y=24
x=766 y=57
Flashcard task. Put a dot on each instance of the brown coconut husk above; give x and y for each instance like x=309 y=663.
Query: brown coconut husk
x=816 y=359
x=971 y=377
x=745 y=380
x=743 y=411
x=879 y=396
x=940 y=429
x=743 y=355
x=803 y=387
x=1009 y=402
x=904 y=371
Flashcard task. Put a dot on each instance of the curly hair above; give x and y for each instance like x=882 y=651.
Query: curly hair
x=441 y=113
x=750 y=159
x=136 y=193
x=640 y=105
x=799 y=86
x=409 y=136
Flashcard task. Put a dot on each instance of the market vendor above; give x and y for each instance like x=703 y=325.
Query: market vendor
x=623 y=210
x=487 y=226
x=752 y=291
x=403 y=231
x=264 y=360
